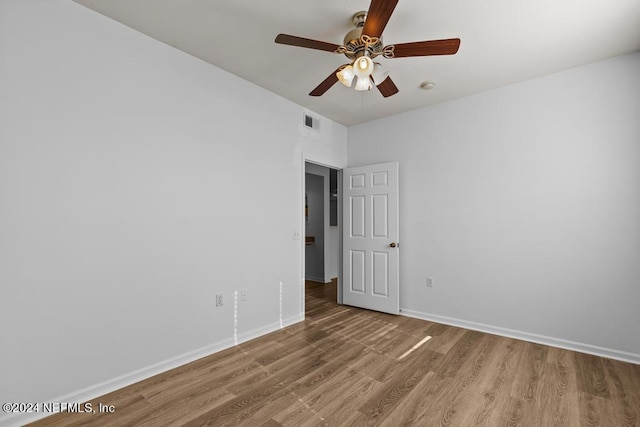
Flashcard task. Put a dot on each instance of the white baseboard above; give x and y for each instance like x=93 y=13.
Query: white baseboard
x=255 y=333
x=526 y=336
x=100 y=389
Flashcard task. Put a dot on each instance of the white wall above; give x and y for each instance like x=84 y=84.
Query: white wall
x=523 y=204
x=136 y=183
x=314 y=227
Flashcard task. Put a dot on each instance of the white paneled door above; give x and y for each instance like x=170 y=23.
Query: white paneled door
x=370 y=237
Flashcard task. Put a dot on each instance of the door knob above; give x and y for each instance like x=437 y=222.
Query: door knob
x=393 y=244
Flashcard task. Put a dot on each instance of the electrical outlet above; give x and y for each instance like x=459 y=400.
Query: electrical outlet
x=243 y=295
x=218 y=300
x=429 y=282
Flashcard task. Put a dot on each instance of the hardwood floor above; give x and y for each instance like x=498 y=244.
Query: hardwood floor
x=344 y=366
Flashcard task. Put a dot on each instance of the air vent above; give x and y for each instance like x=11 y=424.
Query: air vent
x=311 y=122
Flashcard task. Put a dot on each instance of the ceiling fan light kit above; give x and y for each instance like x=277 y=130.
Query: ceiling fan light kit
x=365 y=70
x=379 y=74
x=346 y=75
x=363 y=83
x=363 y=44
x=363 y=66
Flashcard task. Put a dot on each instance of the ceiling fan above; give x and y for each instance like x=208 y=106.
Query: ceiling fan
x=363 y=44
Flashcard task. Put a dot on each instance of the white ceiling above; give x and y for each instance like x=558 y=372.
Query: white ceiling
x=502 y=42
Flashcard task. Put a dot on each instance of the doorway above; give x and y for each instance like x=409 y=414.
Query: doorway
x=322 y=231
x=367 y=234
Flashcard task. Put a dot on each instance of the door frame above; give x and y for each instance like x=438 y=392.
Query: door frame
x=303 y=180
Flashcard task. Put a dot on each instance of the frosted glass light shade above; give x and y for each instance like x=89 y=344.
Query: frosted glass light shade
x=379 y=74
x=363 y=66
x=346 y=75
x=363 y=83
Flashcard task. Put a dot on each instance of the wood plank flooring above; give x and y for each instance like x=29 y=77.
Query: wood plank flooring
x=342 y=367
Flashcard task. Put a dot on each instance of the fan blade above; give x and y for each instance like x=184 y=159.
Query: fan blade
x=426 y=48
x=308 y=43
x=387 y=87
x=377 y=17
x=326 y=84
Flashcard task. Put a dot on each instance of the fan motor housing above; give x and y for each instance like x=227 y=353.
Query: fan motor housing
x=353 y=43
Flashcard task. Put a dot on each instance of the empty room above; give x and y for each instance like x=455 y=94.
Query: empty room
x=476 y=213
